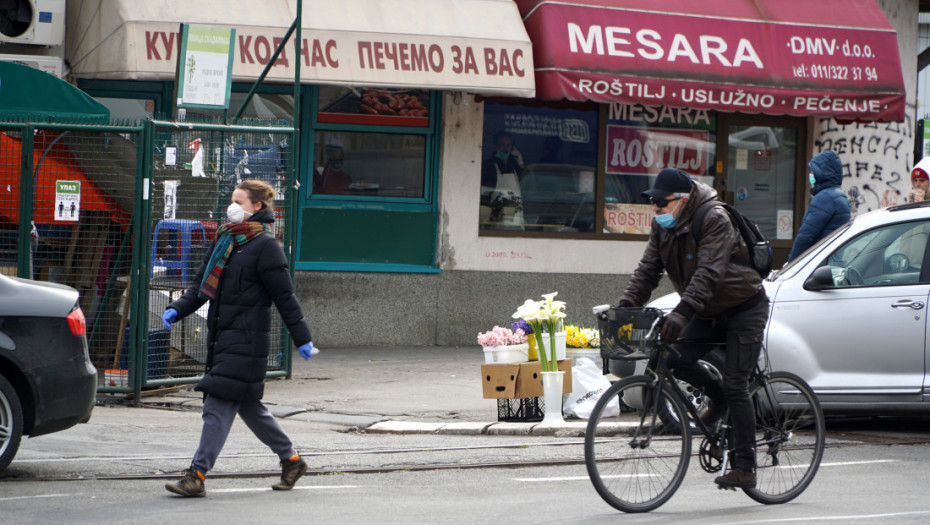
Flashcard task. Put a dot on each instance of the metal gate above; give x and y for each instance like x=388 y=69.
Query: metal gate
x=125 y=214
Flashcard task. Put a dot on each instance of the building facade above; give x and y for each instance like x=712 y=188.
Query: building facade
x=411 y=233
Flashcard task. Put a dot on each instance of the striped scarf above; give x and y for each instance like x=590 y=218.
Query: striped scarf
x=229 y=236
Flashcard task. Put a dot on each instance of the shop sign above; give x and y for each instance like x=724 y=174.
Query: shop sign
x=205 y=66
x=346 y=57
x=742 y=62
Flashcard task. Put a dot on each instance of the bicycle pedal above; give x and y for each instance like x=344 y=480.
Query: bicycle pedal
x=721 y=487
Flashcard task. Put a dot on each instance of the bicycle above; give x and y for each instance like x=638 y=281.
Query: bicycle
x=637 y=451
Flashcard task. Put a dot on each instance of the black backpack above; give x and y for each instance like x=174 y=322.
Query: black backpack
x=760 y=250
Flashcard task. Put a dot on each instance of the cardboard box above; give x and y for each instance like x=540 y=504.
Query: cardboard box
x=519 y=380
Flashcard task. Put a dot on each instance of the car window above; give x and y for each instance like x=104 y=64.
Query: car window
x=791 y=267
x=888 y=256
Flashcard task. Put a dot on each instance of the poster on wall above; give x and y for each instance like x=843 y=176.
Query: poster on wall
x=171 y=199
x=634 y=155
x=785 y=225
x=627 y=218
x=68 y=200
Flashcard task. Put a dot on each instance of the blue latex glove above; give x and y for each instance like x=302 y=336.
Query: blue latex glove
x=170 y=316
x=306 y=350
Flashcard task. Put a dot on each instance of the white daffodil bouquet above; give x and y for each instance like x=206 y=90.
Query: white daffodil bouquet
x=547 y=314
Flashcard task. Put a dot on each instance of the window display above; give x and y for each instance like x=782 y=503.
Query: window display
x=538 y=168
x=374 y=106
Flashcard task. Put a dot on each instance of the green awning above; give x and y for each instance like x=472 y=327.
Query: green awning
x=30 y=95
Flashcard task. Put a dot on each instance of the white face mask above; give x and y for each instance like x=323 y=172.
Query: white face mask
x=235 y=213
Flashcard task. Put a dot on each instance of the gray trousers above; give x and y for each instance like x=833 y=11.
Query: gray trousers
x=218 y=417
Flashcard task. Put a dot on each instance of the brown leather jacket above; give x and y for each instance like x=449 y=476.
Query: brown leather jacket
x=711 y=277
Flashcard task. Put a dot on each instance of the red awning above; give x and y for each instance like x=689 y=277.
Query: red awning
x=831 y=58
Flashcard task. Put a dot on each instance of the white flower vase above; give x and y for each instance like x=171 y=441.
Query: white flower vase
x=552 y=396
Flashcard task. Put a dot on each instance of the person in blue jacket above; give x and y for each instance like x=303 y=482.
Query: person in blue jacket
x=829 y=208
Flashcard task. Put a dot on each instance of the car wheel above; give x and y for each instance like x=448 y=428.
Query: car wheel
x=11 y=423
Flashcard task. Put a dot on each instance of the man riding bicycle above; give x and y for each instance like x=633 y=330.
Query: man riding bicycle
x=721 y=299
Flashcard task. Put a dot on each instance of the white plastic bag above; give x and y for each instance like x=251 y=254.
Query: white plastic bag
x=588 y=384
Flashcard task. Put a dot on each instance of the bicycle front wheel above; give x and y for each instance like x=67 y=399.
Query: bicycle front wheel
x=635 y=460
x=790 y=437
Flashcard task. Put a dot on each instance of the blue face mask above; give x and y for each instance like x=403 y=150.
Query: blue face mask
x=666 y=220
x=812 y=179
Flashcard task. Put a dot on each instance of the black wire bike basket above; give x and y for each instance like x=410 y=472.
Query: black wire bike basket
x=623 y=332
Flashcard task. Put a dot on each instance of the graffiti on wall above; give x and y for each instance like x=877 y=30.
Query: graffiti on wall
x=877 y=158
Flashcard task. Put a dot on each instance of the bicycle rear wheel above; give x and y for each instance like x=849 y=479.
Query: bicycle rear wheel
x=790 y=437
x=635 y=461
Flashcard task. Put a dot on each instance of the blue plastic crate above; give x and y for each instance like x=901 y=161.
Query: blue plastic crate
x=159 y=341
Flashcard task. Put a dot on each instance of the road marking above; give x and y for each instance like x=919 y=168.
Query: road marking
x=39 y=496
x=132 y=458
x=835 y=518
x=586 y=478
x=849 y=463
x=265 y=489
x=581 y=478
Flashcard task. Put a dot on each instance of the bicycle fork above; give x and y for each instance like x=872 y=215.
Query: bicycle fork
x=644 y=441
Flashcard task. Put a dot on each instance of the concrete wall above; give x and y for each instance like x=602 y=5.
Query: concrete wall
x=447 y=309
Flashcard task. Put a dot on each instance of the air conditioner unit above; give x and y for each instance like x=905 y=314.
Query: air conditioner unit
x=36 y=22
x=51 y=65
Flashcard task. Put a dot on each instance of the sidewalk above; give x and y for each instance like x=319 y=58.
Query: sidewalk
x=411 y=390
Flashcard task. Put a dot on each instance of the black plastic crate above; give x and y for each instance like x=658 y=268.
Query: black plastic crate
x=519 y=410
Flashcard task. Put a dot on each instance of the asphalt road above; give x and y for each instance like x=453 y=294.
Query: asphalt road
x=113 y=469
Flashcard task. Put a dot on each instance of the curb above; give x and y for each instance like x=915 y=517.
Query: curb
x=564 y=429
x=378 y=424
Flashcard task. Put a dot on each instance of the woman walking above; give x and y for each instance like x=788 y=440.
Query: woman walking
x=244 y=274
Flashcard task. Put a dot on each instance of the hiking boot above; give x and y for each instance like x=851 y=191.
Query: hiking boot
x=737 y=479
x=291 y=471
x=190 y=486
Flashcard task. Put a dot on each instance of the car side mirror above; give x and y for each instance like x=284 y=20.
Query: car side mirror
x=821 y=279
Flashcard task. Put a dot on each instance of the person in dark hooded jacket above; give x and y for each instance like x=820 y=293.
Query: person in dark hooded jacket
x=829 y=208
x=244 y=273
x=721 y=299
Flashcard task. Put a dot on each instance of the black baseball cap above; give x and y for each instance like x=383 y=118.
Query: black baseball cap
x=669 y=180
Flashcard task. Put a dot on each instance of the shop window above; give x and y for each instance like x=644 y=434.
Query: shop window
x=641 y=141
x=761 y=182
x=369 y=174
x=539 y=168
x=360 y=164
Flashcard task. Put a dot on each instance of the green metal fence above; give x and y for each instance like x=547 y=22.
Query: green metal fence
x=125 y=214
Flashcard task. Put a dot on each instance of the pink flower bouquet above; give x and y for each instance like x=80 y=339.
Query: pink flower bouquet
x=500 y=336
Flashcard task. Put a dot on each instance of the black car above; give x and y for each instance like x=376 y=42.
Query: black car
x=47 y=381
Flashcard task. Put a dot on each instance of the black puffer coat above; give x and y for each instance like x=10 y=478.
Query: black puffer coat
x=711 y=277
x=239 y=320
